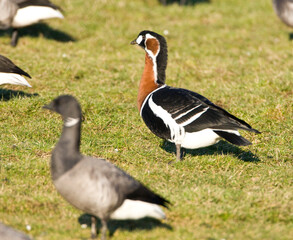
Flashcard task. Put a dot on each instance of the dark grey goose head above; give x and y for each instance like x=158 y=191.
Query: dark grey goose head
x=66 y=105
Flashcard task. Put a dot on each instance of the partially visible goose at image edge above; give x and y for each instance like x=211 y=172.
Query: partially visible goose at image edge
x=178 y=115
x=94 y=185
x=284 y=10
x=22 y=13
x=12 y=74
x=8 y=233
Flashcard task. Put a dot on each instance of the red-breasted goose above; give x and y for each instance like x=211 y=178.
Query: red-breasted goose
x=22 y=13
x=94 y=185
x=12 y=74
x=284 y=10
x=178 y=115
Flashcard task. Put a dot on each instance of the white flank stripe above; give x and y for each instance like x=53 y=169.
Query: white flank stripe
x=33 y=14
x=196 y=116
x=13 y=78
x=181 y=115
x=177 y=131
x=69 y=122
x=131 y=209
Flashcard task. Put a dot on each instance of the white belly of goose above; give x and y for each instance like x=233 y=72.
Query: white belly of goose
x=33 y=14
x=13 y=78
x=133 y=209
x=203 y=138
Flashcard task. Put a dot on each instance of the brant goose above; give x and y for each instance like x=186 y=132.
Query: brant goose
x=284 y=10
x=22 y=13
x=94 y=185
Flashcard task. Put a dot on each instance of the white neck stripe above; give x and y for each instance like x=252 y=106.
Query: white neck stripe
x=153 y=56
x=69 y=122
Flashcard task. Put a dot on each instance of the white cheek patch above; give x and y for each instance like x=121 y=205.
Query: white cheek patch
x=69 y=122
x=139 y=39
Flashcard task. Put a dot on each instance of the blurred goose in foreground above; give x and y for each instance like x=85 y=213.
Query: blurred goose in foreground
x=23 y=13
x=12 y=74
x=178 y=115
x=284 y=10
x=8 y=233
x=94 y=185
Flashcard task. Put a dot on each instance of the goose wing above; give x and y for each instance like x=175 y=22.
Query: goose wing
x=26 y=3
x=193 y=111
x=7 y=66
x=125 y=185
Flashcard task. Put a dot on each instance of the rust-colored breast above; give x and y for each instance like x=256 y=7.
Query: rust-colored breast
x=147 y=83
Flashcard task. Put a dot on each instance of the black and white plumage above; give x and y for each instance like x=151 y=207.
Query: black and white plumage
x=22 y=13
x=284 y=10
x=178 y=115
x=8 y=233
x=12 y=74
x=94 y=185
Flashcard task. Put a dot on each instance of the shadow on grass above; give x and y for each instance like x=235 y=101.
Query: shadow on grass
x=7 y=94
x=41 y=29
x=291 y=36
x=129 y=225
x=183 y=2
x=221 y=147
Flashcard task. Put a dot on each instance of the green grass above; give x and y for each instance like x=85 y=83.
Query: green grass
x=237 y=53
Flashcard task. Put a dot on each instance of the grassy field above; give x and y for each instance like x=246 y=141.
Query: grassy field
x=237 y=53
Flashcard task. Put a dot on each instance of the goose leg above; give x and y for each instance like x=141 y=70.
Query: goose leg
x=104 y=229
x=14 y=37
x=93 y=227
x=178 y=153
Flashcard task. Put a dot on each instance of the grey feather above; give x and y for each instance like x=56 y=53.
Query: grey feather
x=8 y=233
x=284 y=10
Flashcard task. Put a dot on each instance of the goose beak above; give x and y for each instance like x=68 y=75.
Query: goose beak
x=133 y=42
x=48 y=106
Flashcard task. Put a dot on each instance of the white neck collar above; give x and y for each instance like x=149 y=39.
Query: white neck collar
x=69 y=122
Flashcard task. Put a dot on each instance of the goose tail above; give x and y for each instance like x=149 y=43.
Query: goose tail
x=233 y=137
x=134 y=209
